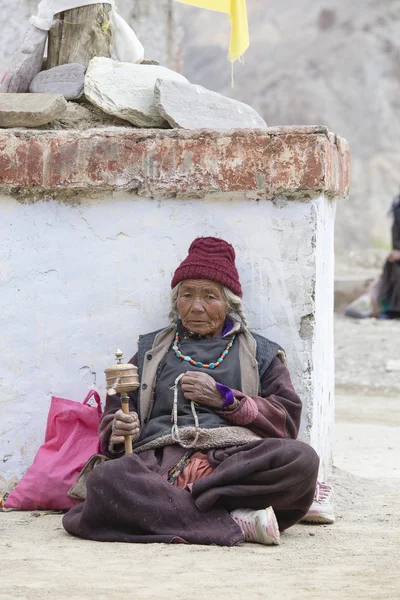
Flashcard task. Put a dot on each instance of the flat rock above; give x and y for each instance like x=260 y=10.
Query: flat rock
x=67 y=80
x=30 y=110
x=26 y=63
x=126 y=90
x=188 y=106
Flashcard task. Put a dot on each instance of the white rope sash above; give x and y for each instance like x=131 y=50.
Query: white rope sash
x=176 y=436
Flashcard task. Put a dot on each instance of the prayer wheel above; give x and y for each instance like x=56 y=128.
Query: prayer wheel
x=120 y=379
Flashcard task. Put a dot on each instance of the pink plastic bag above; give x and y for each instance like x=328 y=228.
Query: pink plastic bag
x=71 y=439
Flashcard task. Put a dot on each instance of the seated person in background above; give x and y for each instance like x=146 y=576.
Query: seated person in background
x=382 y=300
x=389 y=293
x=214 y=426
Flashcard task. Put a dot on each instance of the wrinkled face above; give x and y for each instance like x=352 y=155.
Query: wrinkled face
x=202 y=307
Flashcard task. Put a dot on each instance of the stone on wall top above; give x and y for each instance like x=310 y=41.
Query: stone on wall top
x=297 y=162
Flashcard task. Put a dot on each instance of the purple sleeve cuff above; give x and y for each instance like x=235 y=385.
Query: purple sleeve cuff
x=226 y=393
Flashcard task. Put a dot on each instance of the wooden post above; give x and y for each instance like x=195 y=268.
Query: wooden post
x=79 y=35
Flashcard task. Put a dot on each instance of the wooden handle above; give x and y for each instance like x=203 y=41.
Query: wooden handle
x=128 y=438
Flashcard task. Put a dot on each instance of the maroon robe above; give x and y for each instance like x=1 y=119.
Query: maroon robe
x=130 y=500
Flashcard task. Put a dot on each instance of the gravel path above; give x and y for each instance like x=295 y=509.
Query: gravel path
x=366 y=351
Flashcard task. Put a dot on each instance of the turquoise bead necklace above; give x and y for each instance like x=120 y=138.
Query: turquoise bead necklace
x=199 y=365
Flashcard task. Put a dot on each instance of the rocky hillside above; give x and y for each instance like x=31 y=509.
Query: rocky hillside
x=331 y=62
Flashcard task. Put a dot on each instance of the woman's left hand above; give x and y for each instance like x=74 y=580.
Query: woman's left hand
x=201 y=388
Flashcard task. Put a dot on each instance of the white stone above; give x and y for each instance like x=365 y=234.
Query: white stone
x=189 y=106
x=126 y=90
x=56 y=329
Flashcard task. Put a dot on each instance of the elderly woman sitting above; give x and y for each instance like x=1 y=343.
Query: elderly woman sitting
x=214 y=425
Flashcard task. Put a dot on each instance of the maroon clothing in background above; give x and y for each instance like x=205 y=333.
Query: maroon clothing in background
x=390 y=288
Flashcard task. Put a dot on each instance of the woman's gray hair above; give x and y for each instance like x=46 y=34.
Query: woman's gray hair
x=233 y=303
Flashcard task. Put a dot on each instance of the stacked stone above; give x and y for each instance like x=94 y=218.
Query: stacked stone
x=154 y=96
x=144 y=94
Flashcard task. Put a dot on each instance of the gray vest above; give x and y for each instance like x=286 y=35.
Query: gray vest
x=265 y=353
x=204 y=351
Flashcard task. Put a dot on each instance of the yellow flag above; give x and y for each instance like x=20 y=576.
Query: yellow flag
x=236 y=9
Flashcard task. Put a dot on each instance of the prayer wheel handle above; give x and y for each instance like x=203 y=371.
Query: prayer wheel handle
x=121 y=379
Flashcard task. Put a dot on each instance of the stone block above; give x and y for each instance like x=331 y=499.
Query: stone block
x=26 y=63
x=67 y=80
x=30 y=110
x=188 y=106
x=126 y=90
x=273 y=162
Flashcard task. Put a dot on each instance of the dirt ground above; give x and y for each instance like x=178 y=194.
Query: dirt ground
x=367 y=356
x=357 y=558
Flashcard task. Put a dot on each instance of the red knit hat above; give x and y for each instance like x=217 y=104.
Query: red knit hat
x=213 y=259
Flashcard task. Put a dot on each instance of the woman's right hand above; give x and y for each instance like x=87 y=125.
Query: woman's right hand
x=124 y=425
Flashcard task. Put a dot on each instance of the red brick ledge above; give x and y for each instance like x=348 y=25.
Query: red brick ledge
x=276 y=161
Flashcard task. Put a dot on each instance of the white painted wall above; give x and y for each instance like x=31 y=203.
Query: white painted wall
x=321 y=411
x=78 y=281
